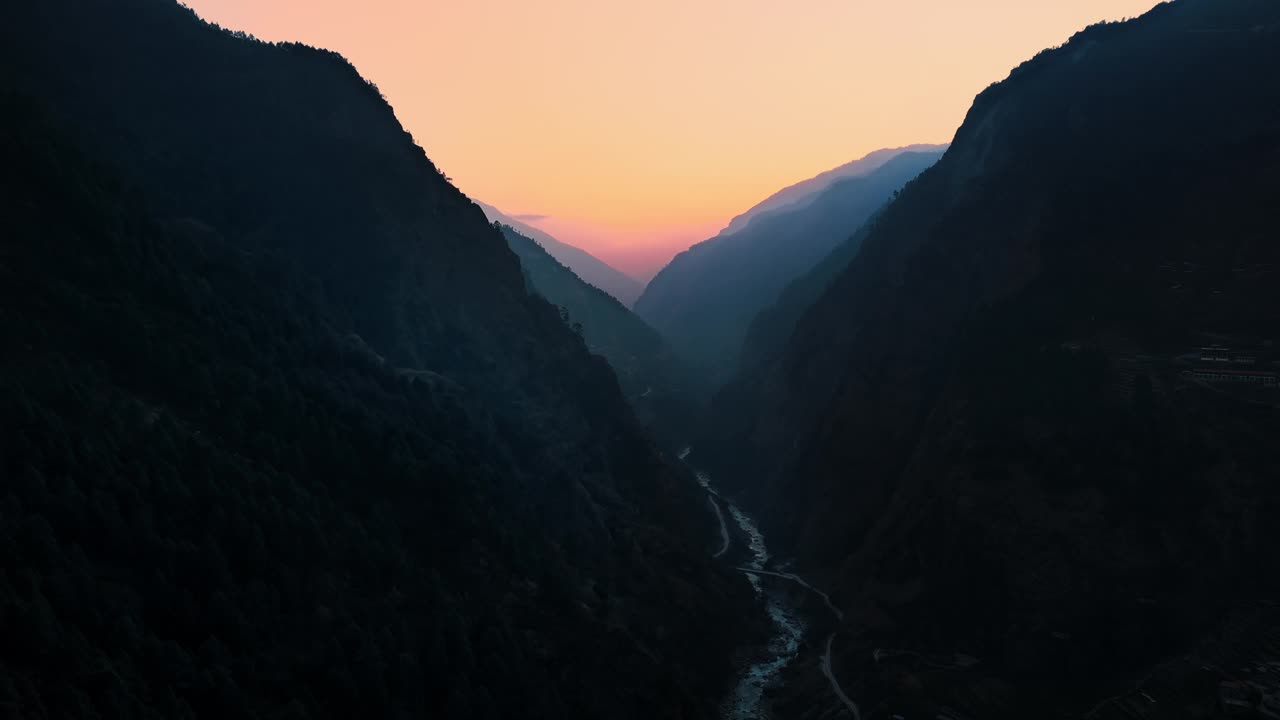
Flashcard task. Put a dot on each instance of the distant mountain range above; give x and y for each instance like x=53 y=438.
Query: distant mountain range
x=772 y=327
x=587 y=266
x=652 y=377
x=806 y=190
x=705 y=299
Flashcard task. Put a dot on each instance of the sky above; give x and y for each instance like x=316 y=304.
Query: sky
x=635 y=129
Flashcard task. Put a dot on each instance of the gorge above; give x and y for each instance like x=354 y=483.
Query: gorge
x=291 y=428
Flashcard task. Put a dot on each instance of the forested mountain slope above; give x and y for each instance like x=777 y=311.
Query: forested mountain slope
x=995 y=430
x=285 y=433
x=705 y=299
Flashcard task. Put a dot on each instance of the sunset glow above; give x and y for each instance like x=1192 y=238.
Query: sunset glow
x=638 y=129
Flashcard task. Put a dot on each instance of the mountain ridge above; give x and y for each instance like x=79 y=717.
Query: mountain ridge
x=588 y=267
x=987 y=430
x=704 y=300
x=297 y=439
x=655 y=382
x=806 y=189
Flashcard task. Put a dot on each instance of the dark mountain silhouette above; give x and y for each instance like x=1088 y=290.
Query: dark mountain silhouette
x=652 y=378
x=806 y=190
x=705 y=299
x=591 y=269
x=284 y=432
x=994 y=430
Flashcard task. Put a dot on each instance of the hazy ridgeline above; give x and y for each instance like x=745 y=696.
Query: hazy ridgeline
x=661 y=390
x=589 y=268
x=705 y=299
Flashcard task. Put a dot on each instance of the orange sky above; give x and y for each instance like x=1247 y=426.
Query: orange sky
x=640 y=128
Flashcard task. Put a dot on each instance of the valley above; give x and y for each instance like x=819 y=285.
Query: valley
x=292 y=428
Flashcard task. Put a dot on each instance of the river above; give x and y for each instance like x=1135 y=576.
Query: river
x=746 y=701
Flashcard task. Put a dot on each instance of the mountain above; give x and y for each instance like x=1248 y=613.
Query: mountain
x=995 y=434
x=705 y=299
x=594 y=271
x=651 y=377
x=769 y=332
x=806 y=190
x=285 y=433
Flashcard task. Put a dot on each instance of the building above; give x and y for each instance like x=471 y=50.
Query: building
x=1228 y=374
x=1219 y=354
x=1216 y=353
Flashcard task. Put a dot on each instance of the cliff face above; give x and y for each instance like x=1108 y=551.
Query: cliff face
x=983 y=429
x=705 y=299
x=295 y=438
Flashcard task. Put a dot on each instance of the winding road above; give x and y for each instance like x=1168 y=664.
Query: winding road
x=724 y=529
x=849 y=704
x=802 y=583
x=786 y=645
x=713 y=497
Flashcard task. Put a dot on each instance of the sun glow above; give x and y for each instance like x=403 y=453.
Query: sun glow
x=638 y=129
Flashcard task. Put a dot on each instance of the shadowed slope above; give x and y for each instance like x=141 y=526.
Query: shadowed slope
x=705 y=299
x=652 y=378
x=988 y=427
x=295 y=439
